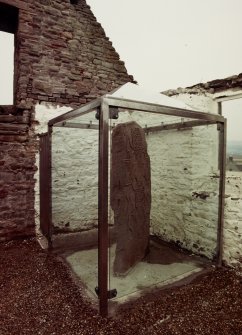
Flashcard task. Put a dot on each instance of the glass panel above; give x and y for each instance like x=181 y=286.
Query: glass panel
x=160 y=231
x=146 y=119
x=75 y=197
x=87 y=120
x=163 y=199
x=232 y=111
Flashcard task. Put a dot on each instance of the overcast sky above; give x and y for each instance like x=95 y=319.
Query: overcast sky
x=177 y=43
x=168 y=43
x=171 y=43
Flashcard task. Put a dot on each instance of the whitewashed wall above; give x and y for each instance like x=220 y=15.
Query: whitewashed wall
x=74 y=179
x=43 y=113
x=232 y=254
x=185 y=187
x=233 y=219
x=184 y=167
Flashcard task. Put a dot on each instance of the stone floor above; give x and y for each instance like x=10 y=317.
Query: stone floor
x=165 y=264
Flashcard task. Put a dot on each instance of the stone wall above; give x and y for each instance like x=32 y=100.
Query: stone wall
x=184 y=176
x=210 y=88
x=185 y=187
x=203 y=96
x=63 y=59
x=233 y=219
x=17 y=168
x=184 y=171
x=74 y=179
x=63 y=55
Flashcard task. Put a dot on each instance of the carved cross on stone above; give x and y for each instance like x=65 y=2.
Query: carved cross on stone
x=130 y=195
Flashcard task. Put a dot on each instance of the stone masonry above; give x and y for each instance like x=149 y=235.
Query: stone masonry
x=62 y=57
x=209 y=97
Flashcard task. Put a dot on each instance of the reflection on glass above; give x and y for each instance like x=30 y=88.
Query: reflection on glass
x=184 y=184
x=163 y=198
x=75 y=197
x=232 y=110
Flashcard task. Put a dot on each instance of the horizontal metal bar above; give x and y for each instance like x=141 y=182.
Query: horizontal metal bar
x=77 y=125
x=76 y=112
x=159 y=109
x=179 y=125
x=169 y=126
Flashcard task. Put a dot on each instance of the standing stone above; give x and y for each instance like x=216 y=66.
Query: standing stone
x=130 y=195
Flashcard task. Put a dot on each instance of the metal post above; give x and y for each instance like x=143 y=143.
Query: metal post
x=49 y=179
x=45 y=186
x=103 y=210
x=222 y=168
x=219 y=108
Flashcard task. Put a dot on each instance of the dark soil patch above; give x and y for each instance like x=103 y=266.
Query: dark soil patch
x=39 y=296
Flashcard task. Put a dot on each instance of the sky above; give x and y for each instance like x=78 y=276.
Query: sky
x=174 y=43
x=232 y=110
x=167 y=44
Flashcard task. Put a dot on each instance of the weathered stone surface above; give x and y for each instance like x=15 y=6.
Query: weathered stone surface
x=54 y=63
x=49 y=50
x=130 y=195
x=17 y=168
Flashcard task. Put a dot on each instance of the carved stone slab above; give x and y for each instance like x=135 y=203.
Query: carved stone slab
x=130 y=195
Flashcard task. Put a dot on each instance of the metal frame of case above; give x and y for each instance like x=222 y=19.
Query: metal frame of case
x=105 y=105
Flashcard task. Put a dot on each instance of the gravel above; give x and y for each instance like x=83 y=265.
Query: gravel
x=39 y=296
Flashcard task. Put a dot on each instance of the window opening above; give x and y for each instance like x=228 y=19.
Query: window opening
x=8 y=28
x=232 y=110
x=6 y=68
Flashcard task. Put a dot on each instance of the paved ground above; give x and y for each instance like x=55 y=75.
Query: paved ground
x=163 y=265
x=39 y=296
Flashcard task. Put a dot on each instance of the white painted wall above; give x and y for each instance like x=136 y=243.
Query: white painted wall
x=233 y=199
x=74 y=179
x=201 y=102
x=43 y=113
x=233 y=219
x=182 y=168
x=184 y=164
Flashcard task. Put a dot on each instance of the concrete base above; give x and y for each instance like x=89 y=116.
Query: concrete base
x=164 y=265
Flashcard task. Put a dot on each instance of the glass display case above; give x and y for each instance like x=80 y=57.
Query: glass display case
x=136 y=184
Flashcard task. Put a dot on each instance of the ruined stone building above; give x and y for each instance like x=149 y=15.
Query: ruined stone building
x=62 y=57
x=63 y=60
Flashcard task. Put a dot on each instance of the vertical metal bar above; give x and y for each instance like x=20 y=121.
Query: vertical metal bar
x=45 y=186
x=222 y=168
x=103 y=210
x=49 y=180
x=219 y=107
